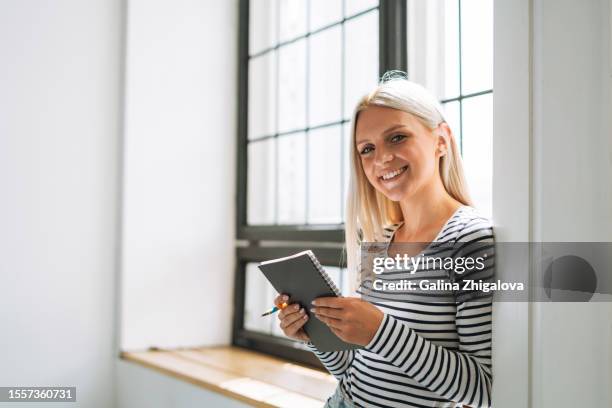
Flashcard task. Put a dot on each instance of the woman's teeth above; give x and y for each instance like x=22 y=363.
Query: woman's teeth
x=394 y=174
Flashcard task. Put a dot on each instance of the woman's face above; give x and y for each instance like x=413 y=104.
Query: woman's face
x=399 y=154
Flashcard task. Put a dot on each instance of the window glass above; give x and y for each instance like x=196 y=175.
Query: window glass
x=324 y=175
x=324 y=12
x=292 y=19
x=259 y=296
x=477 y=149
x=262 y=95
x=450 y=88
x=356 y=6
x=292 y=86
x=476 y=45
x=304 y=86
x=453 y=117
x=325 y=77
x=292 y=178
x=263 y=20
x=361 y=53
x=261 y=190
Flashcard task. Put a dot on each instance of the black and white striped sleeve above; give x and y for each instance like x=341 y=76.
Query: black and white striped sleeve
x=336 y=362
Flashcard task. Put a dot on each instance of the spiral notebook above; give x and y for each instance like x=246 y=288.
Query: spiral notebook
x=302 y=277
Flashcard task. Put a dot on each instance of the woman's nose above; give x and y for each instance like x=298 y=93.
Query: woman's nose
x=384 y=157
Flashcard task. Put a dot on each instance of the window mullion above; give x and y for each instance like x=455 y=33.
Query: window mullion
x=392 y=29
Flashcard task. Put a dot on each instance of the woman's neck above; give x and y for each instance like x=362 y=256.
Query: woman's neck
x=425 y=213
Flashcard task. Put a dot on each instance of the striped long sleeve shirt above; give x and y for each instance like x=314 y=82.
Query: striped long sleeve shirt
x=428 y=353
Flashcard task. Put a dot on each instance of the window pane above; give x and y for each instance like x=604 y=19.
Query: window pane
x=477 y=149
x=324 y=12
x=476 y=45
x=361 y=66
x=292 y=86
x=345 y=282
x=325 y=76
x=324 y=175
x=262 y=24
x=451 y=49
x=262 y=101
x=355 y=6
x=292 y=179
x=453 y=118
x=259 y=295
x=261 y=181
x=292 y=18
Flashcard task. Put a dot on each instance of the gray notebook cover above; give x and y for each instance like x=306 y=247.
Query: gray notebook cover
x=299 y=277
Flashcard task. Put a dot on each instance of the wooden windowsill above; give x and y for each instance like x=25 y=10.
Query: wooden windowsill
x=254 y=378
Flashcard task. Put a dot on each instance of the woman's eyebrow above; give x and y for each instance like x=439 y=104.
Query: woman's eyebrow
x=387 y=131
x=392 y=128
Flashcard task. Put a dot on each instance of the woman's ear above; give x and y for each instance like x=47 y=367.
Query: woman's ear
x=443 y=135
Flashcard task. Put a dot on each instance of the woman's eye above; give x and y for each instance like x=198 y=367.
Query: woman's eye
x=397 y=138
x=367 y=149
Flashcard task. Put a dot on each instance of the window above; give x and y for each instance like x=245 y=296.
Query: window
x=303 y=66
x=455 y=60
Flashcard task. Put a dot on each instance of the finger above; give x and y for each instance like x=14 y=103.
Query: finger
x=281 y=299
x=293 y=328
x=331 y=323
x=330 y=301
x=328 y=312
x=301 y=334
x=292 y=308
x=288 y=320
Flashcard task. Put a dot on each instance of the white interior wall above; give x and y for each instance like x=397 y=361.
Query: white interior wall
x=511 y=194
x=59 y=143
x=139 y=386
x=572 y=163
x=179 y=173
x=552 y=170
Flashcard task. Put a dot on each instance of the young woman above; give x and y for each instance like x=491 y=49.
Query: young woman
x=407 y=185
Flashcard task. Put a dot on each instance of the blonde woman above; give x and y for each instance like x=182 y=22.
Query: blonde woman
x=407 y=186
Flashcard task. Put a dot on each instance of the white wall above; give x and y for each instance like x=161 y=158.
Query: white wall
x=511 y=194
x=552 y=174
x=179 y=173
x=572 y=185
x=179 y=190
x=59 y=141
x=143 y=387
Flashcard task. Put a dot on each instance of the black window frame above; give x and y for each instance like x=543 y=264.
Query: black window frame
x=258 y=243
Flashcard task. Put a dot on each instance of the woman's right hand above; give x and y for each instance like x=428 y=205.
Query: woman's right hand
x=292 y=319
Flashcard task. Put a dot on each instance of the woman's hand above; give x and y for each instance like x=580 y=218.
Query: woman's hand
x=350 y=318
x=292 y=318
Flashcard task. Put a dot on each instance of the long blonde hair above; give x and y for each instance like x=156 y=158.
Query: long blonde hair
x=367 y=210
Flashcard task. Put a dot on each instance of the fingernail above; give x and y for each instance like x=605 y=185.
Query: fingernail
x=296 y=307
x=285 y=297
x=313 y=309
x=305 y=317
x=302 y=311
x=314 y=302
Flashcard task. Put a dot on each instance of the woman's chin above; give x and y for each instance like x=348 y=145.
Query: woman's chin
x=395 y=194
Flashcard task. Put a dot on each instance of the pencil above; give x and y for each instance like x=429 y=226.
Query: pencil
x=275 y=309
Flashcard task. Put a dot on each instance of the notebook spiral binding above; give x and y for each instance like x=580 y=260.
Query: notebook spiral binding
x=323 y=274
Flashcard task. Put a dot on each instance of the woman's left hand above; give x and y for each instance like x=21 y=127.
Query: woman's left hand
x=352 y=319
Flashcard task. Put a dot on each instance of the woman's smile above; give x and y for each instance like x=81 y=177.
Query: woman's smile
x=392 y=175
